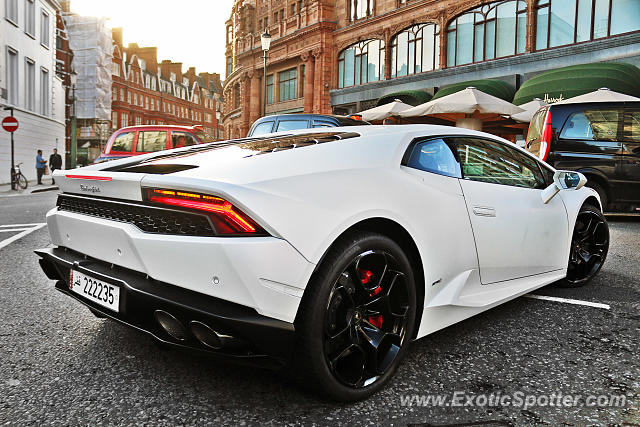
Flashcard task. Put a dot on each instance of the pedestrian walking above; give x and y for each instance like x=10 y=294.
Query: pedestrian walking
x=55 y=162
x=40 y=165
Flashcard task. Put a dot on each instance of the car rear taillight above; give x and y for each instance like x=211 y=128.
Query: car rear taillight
x=226 y=218
x=545 y=139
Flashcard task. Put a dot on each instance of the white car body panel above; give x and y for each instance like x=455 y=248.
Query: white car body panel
x=307 y=197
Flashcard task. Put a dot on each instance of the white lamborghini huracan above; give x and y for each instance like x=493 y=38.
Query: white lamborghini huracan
x=325 y=250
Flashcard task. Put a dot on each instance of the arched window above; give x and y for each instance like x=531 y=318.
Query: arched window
x=490 y=31
x=415 y=50
x=563 y=22
x=361 y=63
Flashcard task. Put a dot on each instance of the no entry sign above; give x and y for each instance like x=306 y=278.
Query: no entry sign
x=10 y=124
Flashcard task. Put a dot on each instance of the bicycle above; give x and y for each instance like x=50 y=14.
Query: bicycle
x=18 y=180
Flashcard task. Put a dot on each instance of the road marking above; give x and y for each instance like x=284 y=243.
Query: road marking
x=569 y=301
x=21 y=225
x=18 y=227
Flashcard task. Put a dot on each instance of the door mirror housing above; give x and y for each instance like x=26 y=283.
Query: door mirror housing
x=563 y=180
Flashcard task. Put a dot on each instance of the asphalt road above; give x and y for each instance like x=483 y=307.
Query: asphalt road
x=61 y=365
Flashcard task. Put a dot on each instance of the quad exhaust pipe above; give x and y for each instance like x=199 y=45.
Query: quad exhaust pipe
x=206 y=335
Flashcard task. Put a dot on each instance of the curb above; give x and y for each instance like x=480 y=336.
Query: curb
x=41 y=190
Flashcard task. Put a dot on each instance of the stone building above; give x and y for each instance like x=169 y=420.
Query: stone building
x=30 y=83
x=343 y=56
x=148 y=92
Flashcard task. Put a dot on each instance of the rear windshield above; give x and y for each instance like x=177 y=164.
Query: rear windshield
x=535 y=132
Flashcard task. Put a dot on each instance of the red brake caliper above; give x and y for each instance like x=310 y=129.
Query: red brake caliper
x=365 y=277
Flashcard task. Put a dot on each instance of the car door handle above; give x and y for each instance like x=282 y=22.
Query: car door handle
x=484 y=211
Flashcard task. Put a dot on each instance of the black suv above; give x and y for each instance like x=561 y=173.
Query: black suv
x=284 y=122
x=599 y=139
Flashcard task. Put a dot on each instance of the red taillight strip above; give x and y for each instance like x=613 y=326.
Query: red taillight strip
x=89 y=177
x=545 y=139
x=225 y=209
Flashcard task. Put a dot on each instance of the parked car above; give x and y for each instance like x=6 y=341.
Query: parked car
x=284 y=122
x=136 y=140
x=600 y=140
x=327 y=250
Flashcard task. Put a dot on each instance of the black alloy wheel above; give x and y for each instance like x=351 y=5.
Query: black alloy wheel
x=589 y=246
x=366 y=319
x=358 y=317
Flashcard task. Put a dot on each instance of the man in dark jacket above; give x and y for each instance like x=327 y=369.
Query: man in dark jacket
x=55 y=162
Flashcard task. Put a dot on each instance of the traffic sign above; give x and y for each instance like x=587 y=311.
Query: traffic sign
x=10 y=124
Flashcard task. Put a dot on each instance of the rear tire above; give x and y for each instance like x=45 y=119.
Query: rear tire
x=589 y=247
x=356 y=318
x=604 y=199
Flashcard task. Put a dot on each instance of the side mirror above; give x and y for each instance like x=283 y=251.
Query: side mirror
x=563 y=180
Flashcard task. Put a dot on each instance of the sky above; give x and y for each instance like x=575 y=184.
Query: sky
x=187 y=31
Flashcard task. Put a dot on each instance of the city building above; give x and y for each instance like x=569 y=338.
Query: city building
x=29 y=83
x=146 y=91
x=344 y=56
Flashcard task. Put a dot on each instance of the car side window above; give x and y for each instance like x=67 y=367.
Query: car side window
x=434 y=156
x=292 y=125
x=322 y=124
x=596 y=125
x=123 y=142
x=182 y=139
x=263 y=128
x=491 y=162
x=631 y=127
x=149 y=141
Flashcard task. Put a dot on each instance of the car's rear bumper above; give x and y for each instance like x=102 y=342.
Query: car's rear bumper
x=248 y=335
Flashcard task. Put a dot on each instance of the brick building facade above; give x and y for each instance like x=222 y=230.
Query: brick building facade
x=343 y=56
x=145 y=91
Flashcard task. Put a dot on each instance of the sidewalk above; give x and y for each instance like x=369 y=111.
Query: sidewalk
x=5 y=189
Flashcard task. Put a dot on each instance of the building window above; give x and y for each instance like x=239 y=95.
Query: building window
x=44 y=28
x=266 y=22
x=115 y=69
x=360 y=9
x=30 y=17
x=566 y=22
x=302 y=80
x=12 y=76
x=490 y=31
x=275 y=16
x=361 y=63
x=124 y=120
x=270 y=89
x=138 y=120
x=293 y=9
x=11 y=10
x=415 y=50
x=122 y=94
x=114 y=120
x=287 y=85
x=29 y=84
x=229 y=34
x=44 y=91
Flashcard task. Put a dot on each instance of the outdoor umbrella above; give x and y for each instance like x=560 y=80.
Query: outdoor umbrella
x=530 y=108
x=468 y=108
x=384 y=111
x=601 y=95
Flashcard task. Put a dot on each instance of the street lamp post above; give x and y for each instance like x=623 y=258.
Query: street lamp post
x=74 y=140
x=265 y=39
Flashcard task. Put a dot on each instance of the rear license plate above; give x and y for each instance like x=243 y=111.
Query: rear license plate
x=104 y=294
